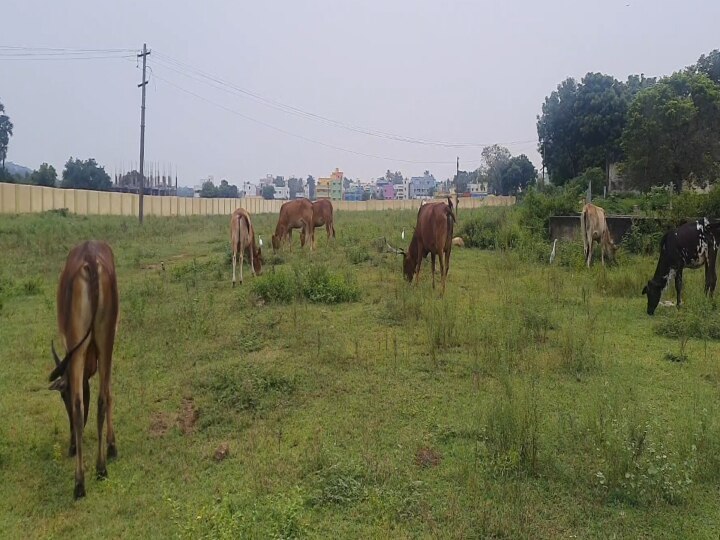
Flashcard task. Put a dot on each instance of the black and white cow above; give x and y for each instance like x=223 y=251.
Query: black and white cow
x=691 y=245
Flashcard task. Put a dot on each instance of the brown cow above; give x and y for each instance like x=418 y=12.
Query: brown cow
x=87 y=311
x=433 y=234
x=297 y=214
x=322 y=215
x=242 y=237
x=593 y=228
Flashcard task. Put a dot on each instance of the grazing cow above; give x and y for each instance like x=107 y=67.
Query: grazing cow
x=242 y=236
x=433 y=234
x=87 y=311
x=691 y=245
x=322 y=215
x=297 y=214
x=458 y=241
x=593 y=228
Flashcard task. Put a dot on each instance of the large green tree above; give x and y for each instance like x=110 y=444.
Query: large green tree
x=268 y=192
x=673 y=133
x=86 y=174
x=518 y=174
x=6 y=131
x=311 y=187
x=709 y=65
x=581 y=124
x=226 y=190
x=496 y=158
x=44 y=176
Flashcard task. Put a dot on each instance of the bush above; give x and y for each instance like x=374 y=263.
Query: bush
x=315 y=283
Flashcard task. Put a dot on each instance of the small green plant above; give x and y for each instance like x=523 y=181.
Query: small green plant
x=358 y=254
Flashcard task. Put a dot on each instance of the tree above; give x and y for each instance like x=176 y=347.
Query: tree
x=6 y=131
x=517 y=175
x=673 y=133
x=44 y=176
x=347 y=182
x=87 y=174
x=496 y=159
x=279 y=181
x=208 y=190
x=581 y=124
x=709 y=65
x=311 y=187
x=365 y=195
x=294 y=186
x=268 y=192
x=227 y=191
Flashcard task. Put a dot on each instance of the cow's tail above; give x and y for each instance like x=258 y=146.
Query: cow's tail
x=583 y=231
x=91 y=267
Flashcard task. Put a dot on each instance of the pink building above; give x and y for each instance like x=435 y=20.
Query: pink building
x=388 y=191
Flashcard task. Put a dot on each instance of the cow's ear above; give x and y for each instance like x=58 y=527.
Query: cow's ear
x=644 y=291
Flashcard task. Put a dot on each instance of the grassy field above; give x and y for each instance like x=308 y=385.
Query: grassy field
x=528 y=402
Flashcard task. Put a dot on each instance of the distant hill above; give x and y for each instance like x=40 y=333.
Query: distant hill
x=14 y=168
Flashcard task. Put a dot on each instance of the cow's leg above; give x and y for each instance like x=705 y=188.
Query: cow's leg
x=710 y=271
x=678 y=286
x=68 y=407
x=242 y=260
x=105 y=340
x=447 y=265
x=234 y=263
x=432 y=268
x=442 y=271
x=311 y=231
x=76 y=375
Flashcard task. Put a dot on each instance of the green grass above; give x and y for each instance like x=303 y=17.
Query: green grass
x=529 y=402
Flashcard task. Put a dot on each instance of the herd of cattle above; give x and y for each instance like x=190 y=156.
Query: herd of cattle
x=88 y=303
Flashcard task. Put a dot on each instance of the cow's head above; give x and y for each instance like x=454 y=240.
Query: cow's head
x=258 y=261
x=275 y=242
x=409 y=265
x=58 y=378
x=653 y=291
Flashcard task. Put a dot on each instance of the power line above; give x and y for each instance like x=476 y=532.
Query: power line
x=193 y=73
x=289 y=133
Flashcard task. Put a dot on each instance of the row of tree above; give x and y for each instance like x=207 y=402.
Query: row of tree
x=661 y=131
x=77 y=174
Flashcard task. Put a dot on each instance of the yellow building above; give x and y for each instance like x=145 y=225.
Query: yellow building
x=331 y=187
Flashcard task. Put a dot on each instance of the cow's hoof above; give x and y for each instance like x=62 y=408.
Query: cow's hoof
x=79 y=490
x=101 y=474
x=112 y=451
x=72 y=451
x=233 y=284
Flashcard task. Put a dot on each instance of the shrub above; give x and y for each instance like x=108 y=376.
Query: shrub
x=314 y=283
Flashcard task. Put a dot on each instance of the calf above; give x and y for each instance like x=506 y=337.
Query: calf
x=297 y=214
x=433 y=234
x=691 y=245
x=322 y=215
x=87 y=311
x=594 y=228
x=242 y=237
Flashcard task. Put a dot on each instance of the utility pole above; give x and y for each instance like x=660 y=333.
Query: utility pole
x=142 y=85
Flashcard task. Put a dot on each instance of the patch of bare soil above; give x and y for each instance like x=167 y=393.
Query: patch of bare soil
x=189 y=415
x=160 y=424
x=222 y=452
x=426 y=457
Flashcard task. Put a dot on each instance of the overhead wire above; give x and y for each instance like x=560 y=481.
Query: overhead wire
x=289 y=133
x=191 y=72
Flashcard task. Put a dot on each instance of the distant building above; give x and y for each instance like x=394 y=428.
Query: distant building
x=282 y=193
x=422 y=187
x=477 y=190
x=402 y=191
x=248 y=190
x=331 y=187
x=386 y=190
x=354 y=193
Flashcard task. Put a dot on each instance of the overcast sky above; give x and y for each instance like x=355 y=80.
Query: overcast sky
x=446 y=71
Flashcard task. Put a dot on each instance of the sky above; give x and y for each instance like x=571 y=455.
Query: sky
x=239 y=90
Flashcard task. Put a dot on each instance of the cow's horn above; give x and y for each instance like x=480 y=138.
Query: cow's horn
x=55 y=356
